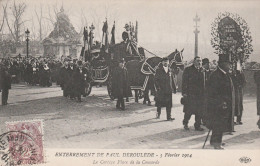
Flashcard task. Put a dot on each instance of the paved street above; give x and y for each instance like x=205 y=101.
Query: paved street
x=95 y=123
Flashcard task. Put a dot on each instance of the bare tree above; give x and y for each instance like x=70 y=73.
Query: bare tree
x=16 y=21
x=39 y=20
x=3 y=17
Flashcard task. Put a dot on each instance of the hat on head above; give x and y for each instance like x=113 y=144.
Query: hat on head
x=126 y=26
x=79 y=63
x=205 y=60
x=164 y=59
x=224 y=58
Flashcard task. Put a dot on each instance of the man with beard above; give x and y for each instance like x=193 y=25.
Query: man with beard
x=165 y=86
x=193 y=93
x=221 y=99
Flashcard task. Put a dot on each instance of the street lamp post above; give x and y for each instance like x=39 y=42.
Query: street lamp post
x=27 y=32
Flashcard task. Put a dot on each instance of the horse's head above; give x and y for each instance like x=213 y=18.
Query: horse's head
x=176 y=61
x=150 y=65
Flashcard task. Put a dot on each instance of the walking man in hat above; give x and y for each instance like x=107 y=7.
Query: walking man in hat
x=165 y=86
x=220 y=101
x=193 y=92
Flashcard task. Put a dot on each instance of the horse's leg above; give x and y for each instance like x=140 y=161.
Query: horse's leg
x=136 y=95
x=146 y=97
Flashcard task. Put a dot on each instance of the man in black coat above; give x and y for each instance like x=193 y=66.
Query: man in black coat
x=193 y=83
x=65 y=74
x=5 y=84
x=120 y=85
x=78 y=81
x=220 y=101
x=206 y=72
x=239 y=82
x=257 y=81
x=165 y=86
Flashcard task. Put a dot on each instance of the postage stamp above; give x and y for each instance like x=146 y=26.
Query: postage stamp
x=22 y=144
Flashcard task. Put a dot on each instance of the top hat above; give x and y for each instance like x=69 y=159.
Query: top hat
x=164 y=59
x=224 y=58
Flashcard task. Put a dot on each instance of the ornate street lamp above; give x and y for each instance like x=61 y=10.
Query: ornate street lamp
x=27 y=32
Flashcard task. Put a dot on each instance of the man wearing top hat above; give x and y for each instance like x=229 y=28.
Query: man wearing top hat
x=220 y=101
x=193 y=93
x=165 y=86
x=78 y=81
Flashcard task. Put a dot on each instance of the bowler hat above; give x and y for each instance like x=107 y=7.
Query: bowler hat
x=79 y=63
x=205 y=60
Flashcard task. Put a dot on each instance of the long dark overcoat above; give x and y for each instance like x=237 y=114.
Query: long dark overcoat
x=120 y=84
x=78 y=82
x=257 y=81
x=220 y=91
x=239 y=82
x=193 y=87
x=165 y=85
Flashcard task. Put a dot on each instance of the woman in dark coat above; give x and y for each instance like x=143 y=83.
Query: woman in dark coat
x=120 y=86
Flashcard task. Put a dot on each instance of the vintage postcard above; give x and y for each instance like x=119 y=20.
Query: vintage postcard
x=129 y=82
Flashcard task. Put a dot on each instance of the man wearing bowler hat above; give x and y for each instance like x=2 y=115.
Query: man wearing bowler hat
x=220 y=101
x=193 y=92
x=165 y=86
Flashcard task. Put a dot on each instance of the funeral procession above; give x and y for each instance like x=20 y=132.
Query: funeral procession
x=116 y=75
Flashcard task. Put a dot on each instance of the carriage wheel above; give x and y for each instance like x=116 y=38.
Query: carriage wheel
x=87 y=89
x=109 y=88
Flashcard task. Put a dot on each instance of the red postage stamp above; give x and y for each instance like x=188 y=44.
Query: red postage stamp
x=25 y=139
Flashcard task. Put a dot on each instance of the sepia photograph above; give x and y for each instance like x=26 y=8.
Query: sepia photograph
x=120 y=82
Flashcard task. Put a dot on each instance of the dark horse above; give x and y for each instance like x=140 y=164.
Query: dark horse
x=141 y=73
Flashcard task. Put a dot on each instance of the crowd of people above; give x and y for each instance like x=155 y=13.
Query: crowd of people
x=33 y=71
x=214 y=97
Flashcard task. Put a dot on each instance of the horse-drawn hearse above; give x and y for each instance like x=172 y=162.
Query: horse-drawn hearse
x=141 y=69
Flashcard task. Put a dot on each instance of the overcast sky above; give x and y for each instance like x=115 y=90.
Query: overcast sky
x=163 y=25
